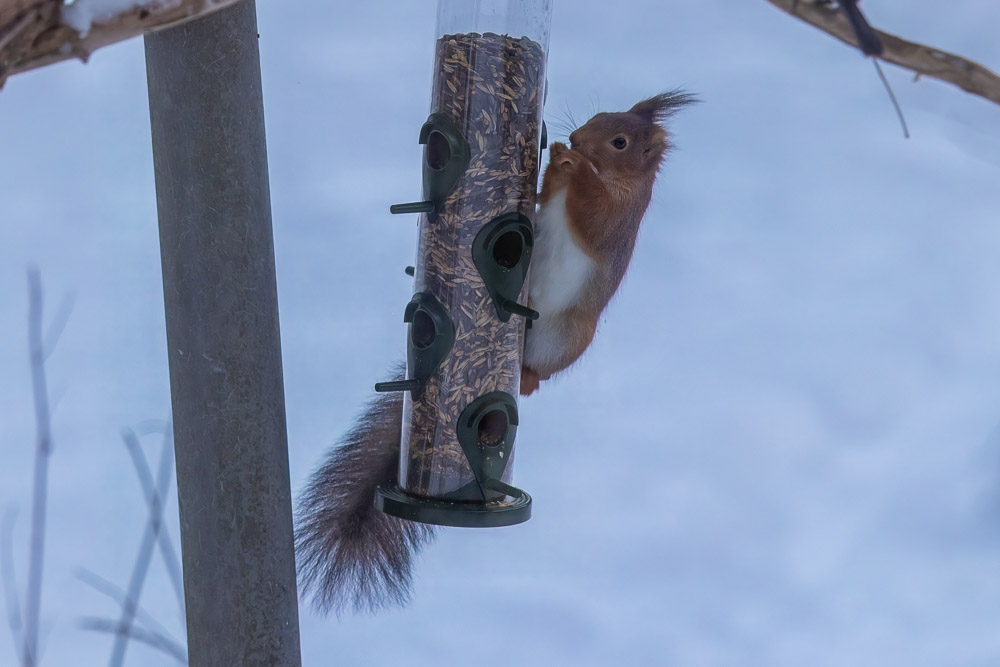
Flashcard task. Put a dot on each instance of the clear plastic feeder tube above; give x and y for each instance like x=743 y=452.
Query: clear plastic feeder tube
x=489 y=79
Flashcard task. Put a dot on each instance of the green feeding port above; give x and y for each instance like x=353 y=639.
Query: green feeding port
x=431 y=337
x=446 y=158
x=486 y=430
x=501 y=252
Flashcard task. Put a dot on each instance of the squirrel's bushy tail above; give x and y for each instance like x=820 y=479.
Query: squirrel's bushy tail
x=349 y=553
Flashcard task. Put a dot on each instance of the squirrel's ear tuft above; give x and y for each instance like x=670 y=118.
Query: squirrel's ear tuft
x=659 y=108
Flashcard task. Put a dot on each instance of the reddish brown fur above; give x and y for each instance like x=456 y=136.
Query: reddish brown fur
x=608 y=191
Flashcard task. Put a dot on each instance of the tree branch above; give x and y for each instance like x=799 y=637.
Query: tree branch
x=918 y=58
x=43 y=449
x=33 y=32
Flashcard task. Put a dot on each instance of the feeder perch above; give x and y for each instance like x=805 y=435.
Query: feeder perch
x=501 y=252
x=446 y=157
x=481 y=142
x=431 y=337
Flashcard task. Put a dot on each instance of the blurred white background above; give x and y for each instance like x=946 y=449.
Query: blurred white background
x=780 y=450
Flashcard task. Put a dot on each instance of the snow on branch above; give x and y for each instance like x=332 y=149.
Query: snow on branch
x=34 y=33
x=918 y=58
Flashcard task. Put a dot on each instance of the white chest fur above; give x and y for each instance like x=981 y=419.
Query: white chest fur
x=559 y=268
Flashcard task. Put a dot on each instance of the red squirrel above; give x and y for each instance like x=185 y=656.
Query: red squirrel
x=593 y=197
x=594 y=194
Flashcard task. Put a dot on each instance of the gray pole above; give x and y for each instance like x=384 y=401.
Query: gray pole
x=223 y=344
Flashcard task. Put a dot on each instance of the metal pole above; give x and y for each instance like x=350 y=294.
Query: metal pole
x=220 y=297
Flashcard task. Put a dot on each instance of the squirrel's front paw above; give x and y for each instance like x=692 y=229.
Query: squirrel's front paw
x=563 y=156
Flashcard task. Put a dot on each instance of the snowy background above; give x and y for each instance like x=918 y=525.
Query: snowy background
x=782 y=449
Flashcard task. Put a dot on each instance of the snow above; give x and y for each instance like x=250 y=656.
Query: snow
x=81 y=14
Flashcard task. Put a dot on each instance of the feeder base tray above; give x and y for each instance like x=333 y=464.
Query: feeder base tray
x=392 y=500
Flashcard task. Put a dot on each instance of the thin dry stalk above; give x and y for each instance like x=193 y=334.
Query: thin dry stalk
x=113 y=591
x=148 y=637
x=43 y=450
x=154 y=499
x=125 y=629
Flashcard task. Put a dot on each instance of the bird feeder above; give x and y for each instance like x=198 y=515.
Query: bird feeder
x=467 y=317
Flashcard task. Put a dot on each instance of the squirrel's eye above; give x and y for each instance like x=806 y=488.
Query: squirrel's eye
x=619 y=142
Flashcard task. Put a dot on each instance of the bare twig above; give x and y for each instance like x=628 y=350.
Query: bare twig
x=42 y=451
x=14 y=619
x=149 y=637
x=102 y=585
x=918 y=58
x=153 y=499
x=149 y=540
